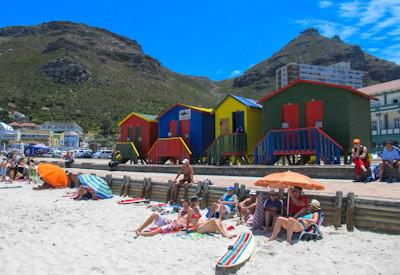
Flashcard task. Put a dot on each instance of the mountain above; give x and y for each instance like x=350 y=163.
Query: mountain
x=69 y=71
x=311 y=48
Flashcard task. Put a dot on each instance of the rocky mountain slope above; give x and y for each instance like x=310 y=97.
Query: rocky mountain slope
x=312 y=48
x=69 y=71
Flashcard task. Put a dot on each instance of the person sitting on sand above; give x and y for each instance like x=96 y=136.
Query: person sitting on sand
x=187 y=180
x=248 y=206
x=3 y=168
x=85 y=193
x=165 y=225
x=272 y=210
x=201 y=225
x=225 y=205
x=19 y=170
x=32 y=171
x=297 y=202
x=293 y=225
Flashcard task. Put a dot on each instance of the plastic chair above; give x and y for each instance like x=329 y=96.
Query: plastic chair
x=314 y=231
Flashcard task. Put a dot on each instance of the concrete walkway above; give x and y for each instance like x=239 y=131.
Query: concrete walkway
x=368 y=190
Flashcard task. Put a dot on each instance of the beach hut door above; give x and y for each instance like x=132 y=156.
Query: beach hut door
x=238 y=121
x=173 y=128
x=138 y=138
x=185 y=130
x=315 y=113
x=291 y=114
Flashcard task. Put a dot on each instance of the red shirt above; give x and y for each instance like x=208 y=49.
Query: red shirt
x=294 y=209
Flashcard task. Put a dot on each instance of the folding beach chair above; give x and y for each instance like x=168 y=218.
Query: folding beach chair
x=314 y=232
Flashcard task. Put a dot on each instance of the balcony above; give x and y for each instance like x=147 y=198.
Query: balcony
x=234 y=144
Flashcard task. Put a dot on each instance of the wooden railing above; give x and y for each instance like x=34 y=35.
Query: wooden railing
x=234 y=144
x=299 y=141
x=174 y=148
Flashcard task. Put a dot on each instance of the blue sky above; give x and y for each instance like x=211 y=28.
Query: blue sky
x=222 y=39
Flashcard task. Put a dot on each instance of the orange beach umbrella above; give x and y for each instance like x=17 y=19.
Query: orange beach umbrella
x=53 y=175
x=289 y=179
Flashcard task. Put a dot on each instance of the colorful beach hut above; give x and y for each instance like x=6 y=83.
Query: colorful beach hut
x=237 y=130
x=138 y=132
x=308 y=118
x=184 y=132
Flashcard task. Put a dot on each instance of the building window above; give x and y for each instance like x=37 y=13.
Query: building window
x=374 y=125
x=397 y=122
x=395 y=100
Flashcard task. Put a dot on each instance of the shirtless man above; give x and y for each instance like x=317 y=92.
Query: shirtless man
x=187 y=180
x=248 y=206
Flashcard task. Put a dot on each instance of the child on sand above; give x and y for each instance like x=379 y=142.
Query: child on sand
x=3 y=168
x=32 y=172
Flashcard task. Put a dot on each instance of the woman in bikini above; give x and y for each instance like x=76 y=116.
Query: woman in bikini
x=300 y=224
x=165 y=225
x=201 y=225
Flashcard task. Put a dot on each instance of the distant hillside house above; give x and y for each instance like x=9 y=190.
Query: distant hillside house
x=23 y=125
x=20 y=117
x=71 y=139
x=385 y=113
x=59 y=127
x=34 y=136
x=339 y=73
x=7 y=132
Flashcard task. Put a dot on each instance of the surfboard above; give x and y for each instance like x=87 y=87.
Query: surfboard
x=10 y=187
x=132 y=200
x=239 y=252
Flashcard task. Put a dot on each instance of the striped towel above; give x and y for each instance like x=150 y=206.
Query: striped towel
x=258 y=219
x=99 y=185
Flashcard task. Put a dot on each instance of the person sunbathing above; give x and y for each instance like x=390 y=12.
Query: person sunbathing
x=300 y=224
x=85 y=193
x=165 y=225
x=201 y=225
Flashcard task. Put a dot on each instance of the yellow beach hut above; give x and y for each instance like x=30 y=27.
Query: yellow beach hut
x=237 y=130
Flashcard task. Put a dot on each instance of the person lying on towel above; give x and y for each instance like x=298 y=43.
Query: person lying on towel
x=165 y=225
x=202 y=225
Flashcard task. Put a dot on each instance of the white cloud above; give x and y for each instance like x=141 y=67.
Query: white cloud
x=349 y=9
x=328 y=28
x=235 y=73
x=324 y=4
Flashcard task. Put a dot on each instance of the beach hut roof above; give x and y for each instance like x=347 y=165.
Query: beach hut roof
x=302 y=81
x=204 y=110
x=147 y=117
x=249 y=102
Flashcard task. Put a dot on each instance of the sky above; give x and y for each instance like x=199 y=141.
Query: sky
x=222 y=39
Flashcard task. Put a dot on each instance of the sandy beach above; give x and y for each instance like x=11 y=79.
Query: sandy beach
x=42 y=232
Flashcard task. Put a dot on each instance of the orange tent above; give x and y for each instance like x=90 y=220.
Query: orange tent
x=289 y=179
x=53 y=175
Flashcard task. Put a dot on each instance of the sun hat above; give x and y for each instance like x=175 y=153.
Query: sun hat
x=316 y=204
x=356 y=141
x=272 y=192
x=253 y=192
x=230 y=188
x=185 y=161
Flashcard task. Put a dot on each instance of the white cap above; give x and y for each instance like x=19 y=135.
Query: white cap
x=185 y=161
x=253 y=192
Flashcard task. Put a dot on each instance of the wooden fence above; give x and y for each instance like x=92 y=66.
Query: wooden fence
x=377 y=215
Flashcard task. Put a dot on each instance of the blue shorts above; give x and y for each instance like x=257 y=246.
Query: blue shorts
x=2 y=171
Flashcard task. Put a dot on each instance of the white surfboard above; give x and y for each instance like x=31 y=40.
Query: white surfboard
x=239 y=252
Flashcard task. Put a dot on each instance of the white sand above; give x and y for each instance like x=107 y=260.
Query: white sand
x=42 y=232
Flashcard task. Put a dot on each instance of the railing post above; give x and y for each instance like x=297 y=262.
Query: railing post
x=169 y=191
x=317 y=147
x=350 y=211
x=149 y=186
x=121 y=193
x=109 y=180
x=204 y=202
x=143 y=188
x=127 y=186
x=338 y=209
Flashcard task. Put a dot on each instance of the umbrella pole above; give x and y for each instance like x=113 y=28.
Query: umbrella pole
x=287 y=206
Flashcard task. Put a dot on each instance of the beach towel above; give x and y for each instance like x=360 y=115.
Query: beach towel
x=194 y=236
x=258 y=219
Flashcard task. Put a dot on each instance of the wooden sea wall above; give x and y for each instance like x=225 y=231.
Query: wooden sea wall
x=376 y=215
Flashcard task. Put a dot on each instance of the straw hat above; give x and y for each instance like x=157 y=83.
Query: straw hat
x=272 y=192
x=252 y=192
x=316 y=204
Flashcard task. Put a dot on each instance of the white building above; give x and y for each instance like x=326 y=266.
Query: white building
x=339 y=73
x=385 y=113
x=7 y=132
